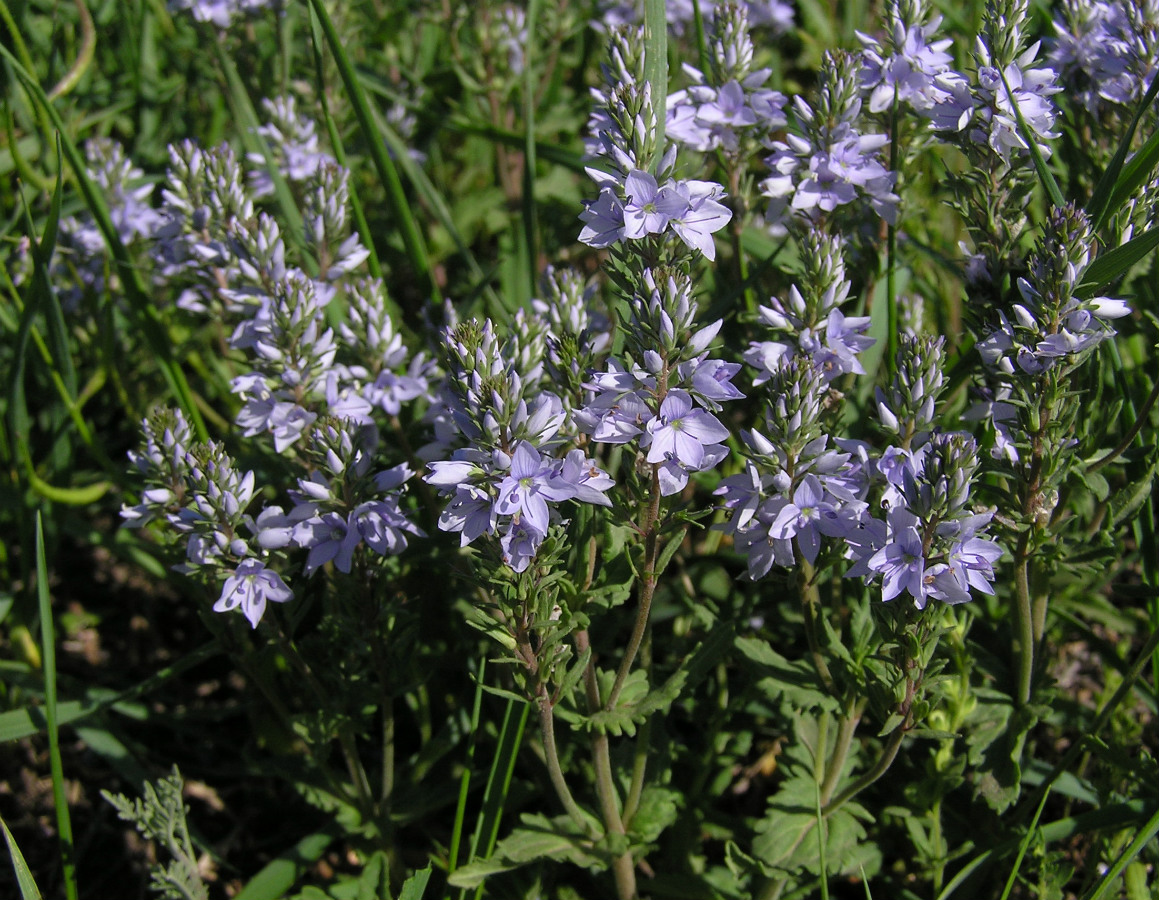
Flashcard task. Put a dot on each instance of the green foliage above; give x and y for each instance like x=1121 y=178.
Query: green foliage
x=781 y=738
x=159 y=815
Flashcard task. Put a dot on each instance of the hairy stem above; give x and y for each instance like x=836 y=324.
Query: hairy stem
x=811 y=607
x=554 y=770
x=845 y=732
x=647 y=589
x=623 y=868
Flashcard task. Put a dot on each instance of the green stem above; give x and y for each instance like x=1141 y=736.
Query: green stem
x=844 y=741
x=647 y=590
x=1024 y=615
x=888 y=755
x=811 y=607
x=554 y=770
x=622 y=868
x=639 y=769
x=387 y=792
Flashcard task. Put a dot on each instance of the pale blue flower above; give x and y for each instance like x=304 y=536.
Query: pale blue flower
x=250 y=587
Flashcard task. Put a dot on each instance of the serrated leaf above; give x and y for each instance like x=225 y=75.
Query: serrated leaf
x=785 y=838
x=636 y=704
x=657 y=811
x=795 y=681
x=539 y=838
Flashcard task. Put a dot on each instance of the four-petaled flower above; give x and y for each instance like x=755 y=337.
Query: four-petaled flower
x=251 y=586
x=681 y=431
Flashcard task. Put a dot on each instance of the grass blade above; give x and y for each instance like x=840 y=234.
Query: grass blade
x=656 y=64
x=530 y=250
x=360 y=222
x=495 y=794
x=412 y=237
x=1116 y=262
x=1022 y=847
x=1119 y=181
x=465 y=781
x=147 y=319
x=28 y=888
x=1048 y=182
x=1142 y=839
x=48 y=650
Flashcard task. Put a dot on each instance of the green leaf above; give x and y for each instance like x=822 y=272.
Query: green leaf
x=48 y=649
x=279 y=876
x=658 y=809
x=636 y=703
x=1127 y=501
x=656 y=63
x=1028 y=135
x=785 y=838
x=1120 y=181
x=794 y=681
x=28 y=888
x=1115 y=263
x=540 y=838
x=415 y=886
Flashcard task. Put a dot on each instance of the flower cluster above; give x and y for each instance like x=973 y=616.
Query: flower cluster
x=930 y=544
x=634 y=203
x=797 y=487
x=578 y=333
x=731 y=100
x=222 y=12
x=82 y=259
x=199 y=493
x=203 y=198
x=1106 y=53
x=640 y=207
x=1052 y=325
x=341 y=504
x=666 y=395
x=295 y=149
x=508 y=494
x=503 y=476
x=809 y=322
x=1008 y=84
x=775 y=15
x=196 y=489
x=831 y=163
x=907 y=65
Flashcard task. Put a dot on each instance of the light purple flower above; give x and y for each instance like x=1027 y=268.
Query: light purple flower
x=649 y=208
x=251 y=586
x=329 y=537
x=527 y=488
x=703 y=215
x=603 y=220
x=681 y=431
x=901 y=561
